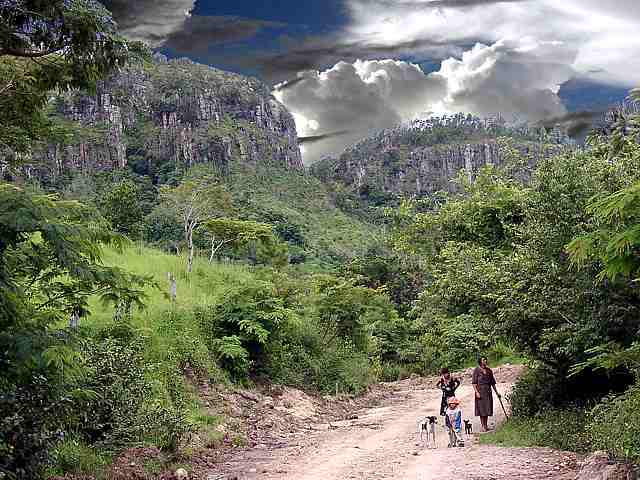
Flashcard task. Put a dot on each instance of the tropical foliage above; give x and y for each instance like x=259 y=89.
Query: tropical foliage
x=292 y=280
x=46 y=45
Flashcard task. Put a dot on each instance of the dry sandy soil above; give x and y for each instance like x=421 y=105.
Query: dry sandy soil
x=379 y=440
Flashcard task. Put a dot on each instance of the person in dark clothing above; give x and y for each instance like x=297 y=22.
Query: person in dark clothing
x=483 y=381
x=448 y=384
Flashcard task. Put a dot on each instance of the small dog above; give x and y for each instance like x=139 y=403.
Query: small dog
x=468 y=427
x=428 y=426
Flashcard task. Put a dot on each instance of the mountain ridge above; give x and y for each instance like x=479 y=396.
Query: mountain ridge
x=423 y=156
x=165 y=115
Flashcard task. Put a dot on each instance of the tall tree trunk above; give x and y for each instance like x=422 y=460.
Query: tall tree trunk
x=213 y=250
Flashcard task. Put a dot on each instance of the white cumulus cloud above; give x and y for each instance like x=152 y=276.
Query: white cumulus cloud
x=518 y=80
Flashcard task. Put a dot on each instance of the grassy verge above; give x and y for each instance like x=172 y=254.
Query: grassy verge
x=561 y=429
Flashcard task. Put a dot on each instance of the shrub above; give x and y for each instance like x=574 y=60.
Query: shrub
x=117 y=376
x=614 y=425
x=74 y=456
x=463 y=338
x=541 y=389
x=293 y=364
x=391 y=371
x=27 y=430
x=554 y=428
x=449 y=342
x=344 y=369
x=238 y=327
x=168 y=426
x=190 y=351
x=232 y=355
x=536 y=391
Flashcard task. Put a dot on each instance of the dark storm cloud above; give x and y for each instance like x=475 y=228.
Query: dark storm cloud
x=200 y=32
x=316 y=54
x=151 y=21
x=318 y=138
x=576 y=124
x=168 y=23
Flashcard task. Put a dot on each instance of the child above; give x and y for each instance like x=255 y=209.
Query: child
x=448 y=385
x=453 y=419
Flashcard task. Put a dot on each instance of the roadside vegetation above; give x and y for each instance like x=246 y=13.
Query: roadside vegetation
x=121 y=294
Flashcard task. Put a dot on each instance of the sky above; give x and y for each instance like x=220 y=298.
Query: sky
x=351 y=67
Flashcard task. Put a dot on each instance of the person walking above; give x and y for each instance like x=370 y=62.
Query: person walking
x=483 y=381
x=448 y=384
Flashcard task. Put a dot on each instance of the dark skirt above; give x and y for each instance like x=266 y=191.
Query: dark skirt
x=484 y=404
x=443 y=404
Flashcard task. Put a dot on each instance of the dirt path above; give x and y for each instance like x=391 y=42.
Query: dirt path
x=382 y=443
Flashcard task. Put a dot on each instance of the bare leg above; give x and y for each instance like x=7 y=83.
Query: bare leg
x=483 y=422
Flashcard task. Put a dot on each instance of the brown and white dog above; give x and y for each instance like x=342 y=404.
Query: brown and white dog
x=427 y=426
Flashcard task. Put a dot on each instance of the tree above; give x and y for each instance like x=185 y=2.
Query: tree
x=238 y=327
x=197 y=200
x=49 y=44
x=121 y=206
x=616 y=243
x=349 y=311
x=50 y=265
x=50 y=252
x=238 y=233
x=496 y=254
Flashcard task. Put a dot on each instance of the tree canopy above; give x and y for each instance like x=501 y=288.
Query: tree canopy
x=199 y=199
x=46 y=45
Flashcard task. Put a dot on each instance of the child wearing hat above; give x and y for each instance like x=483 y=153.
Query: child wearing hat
x=453 y=419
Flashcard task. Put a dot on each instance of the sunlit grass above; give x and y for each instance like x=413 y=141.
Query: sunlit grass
x=203 y=286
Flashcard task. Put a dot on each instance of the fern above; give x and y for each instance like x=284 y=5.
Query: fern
x=232 y=355
x=616 y=242
x=254 y=329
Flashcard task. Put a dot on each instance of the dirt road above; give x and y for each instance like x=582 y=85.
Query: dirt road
x=382 y=443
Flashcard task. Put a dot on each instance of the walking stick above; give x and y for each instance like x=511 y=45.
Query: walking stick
x=503 y=409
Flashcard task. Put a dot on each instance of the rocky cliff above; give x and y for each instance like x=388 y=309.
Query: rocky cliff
x=167 y=115
x=424 y=156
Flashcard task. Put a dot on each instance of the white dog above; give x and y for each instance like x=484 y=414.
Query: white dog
x=427 y=426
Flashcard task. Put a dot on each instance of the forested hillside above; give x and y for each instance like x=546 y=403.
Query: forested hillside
x=158 y=116
x=159 y=239
x=422 y=157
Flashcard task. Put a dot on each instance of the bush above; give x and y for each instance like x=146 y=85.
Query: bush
x=541 y=389
x=118 y=378
x=27 y=430
x=293 y=364
x=298 y=357
x=168 y=426
x=343 y=369
x=560 y=429
x=238 y=327
x=614 y=425
x=392 y=371
x=74 y=456
x=536 y=391
x=463 y=338
x=450 y=342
